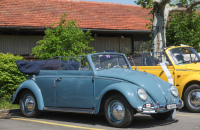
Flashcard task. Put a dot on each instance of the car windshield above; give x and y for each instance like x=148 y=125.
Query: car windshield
x=109 y=61
x=184 y=55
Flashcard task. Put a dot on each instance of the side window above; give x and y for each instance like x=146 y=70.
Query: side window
x=70 y=63
x=67 y=63
x=51 y=64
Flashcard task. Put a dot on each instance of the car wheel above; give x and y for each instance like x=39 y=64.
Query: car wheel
x=28 y=104
x=191 y=98
x=162 y=116
x=118 y=112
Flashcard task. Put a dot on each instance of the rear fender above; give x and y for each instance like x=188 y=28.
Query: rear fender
x=32 y=86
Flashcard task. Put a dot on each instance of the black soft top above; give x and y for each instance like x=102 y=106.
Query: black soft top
x=34 y=67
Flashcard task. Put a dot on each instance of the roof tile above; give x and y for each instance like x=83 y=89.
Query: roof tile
x=95 y=15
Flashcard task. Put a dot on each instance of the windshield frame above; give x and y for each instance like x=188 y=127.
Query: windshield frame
x=118 y=55
x=175 y=60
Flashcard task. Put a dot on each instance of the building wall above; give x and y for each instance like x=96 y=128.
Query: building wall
x=17 y=44
x=117 y=44
x=23 y=44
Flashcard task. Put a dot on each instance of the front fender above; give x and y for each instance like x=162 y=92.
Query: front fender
x=193 y=77
x=32 y=86
x=127 y=89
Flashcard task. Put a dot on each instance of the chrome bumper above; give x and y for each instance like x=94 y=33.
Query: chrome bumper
x=158 y=107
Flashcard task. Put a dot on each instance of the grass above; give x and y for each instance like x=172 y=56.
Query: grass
x=5 y=104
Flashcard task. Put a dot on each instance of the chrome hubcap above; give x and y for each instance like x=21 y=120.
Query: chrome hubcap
x=29 y=103
x=194 y=98
x=117 y=111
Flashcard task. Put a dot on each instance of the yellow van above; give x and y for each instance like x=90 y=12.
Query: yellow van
x=183 y=62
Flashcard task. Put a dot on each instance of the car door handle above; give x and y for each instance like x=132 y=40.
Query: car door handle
x=58 y=79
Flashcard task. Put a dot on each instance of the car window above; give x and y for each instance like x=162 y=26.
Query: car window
x=51 y=64
x=67 y=63
x=184 y=55
x=108 y=61
x=70 y=63
x=149 y=59
x=74 y=63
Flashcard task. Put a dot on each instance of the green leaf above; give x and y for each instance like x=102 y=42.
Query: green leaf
x=63 y=38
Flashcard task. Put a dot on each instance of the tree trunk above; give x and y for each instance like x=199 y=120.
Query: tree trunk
x=160 y=17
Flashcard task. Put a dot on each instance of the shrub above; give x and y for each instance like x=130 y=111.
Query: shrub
x=4 y=104
x=64 y=38
x=10 y=76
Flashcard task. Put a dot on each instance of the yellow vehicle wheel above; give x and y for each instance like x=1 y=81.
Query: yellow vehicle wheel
x=192 y=98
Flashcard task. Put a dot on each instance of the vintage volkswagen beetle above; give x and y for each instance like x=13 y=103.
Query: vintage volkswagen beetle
x=94 y=83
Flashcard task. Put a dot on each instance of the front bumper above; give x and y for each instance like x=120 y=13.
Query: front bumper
x=159 y=108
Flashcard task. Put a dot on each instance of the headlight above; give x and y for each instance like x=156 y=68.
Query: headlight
x=174 y=91
x=142 y=94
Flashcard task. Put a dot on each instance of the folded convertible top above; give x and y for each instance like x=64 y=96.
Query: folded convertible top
x=34 y=67
x=30 y=67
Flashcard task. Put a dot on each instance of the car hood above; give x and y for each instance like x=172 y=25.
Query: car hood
x=156 y=88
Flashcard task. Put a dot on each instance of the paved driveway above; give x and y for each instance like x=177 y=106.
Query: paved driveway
x=70 y=121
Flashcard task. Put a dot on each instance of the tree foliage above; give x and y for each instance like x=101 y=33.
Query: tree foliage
x=183 y=28
x=63 y=39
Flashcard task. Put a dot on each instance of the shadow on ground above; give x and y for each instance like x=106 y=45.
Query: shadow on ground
x=139 y=121
x=183 y=110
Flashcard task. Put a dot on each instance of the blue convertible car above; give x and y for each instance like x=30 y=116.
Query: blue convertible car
x=100 y=82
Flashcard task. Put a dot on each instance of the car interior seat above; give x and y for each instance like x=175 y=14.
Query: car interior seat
x=179 y=58
x=148 y=61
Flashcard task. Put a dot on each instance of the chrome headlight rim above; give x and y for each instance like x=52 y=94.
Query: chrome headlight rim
x=174 y=91
x=142 y=94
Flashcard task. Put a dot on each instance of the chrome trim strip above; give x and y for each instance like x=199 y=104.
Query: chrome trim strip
x=109 y=79
x=75 y=76
x=189 y=70
x=65 y=76
x=181 y=70
x=75 y=110
x=154 y=69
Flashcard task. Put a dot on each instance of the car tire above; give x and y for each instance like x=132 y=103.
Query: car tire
x=191 y=98
x=162 y=116
x=28 y=104
x=122 y=116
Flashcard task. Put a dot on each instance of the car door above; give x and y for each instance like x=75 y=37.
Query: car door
x=46 y=81
x=74 y=85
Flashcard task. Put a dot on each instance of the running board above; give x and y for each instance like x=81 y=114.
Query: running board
x=75 y=110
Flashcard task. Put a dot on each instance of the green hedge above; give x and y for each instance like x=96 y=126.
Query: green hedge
x=10 y=76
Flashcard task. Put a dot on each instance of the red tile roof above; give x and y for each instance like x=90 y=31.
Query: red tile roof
x=93 y=15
